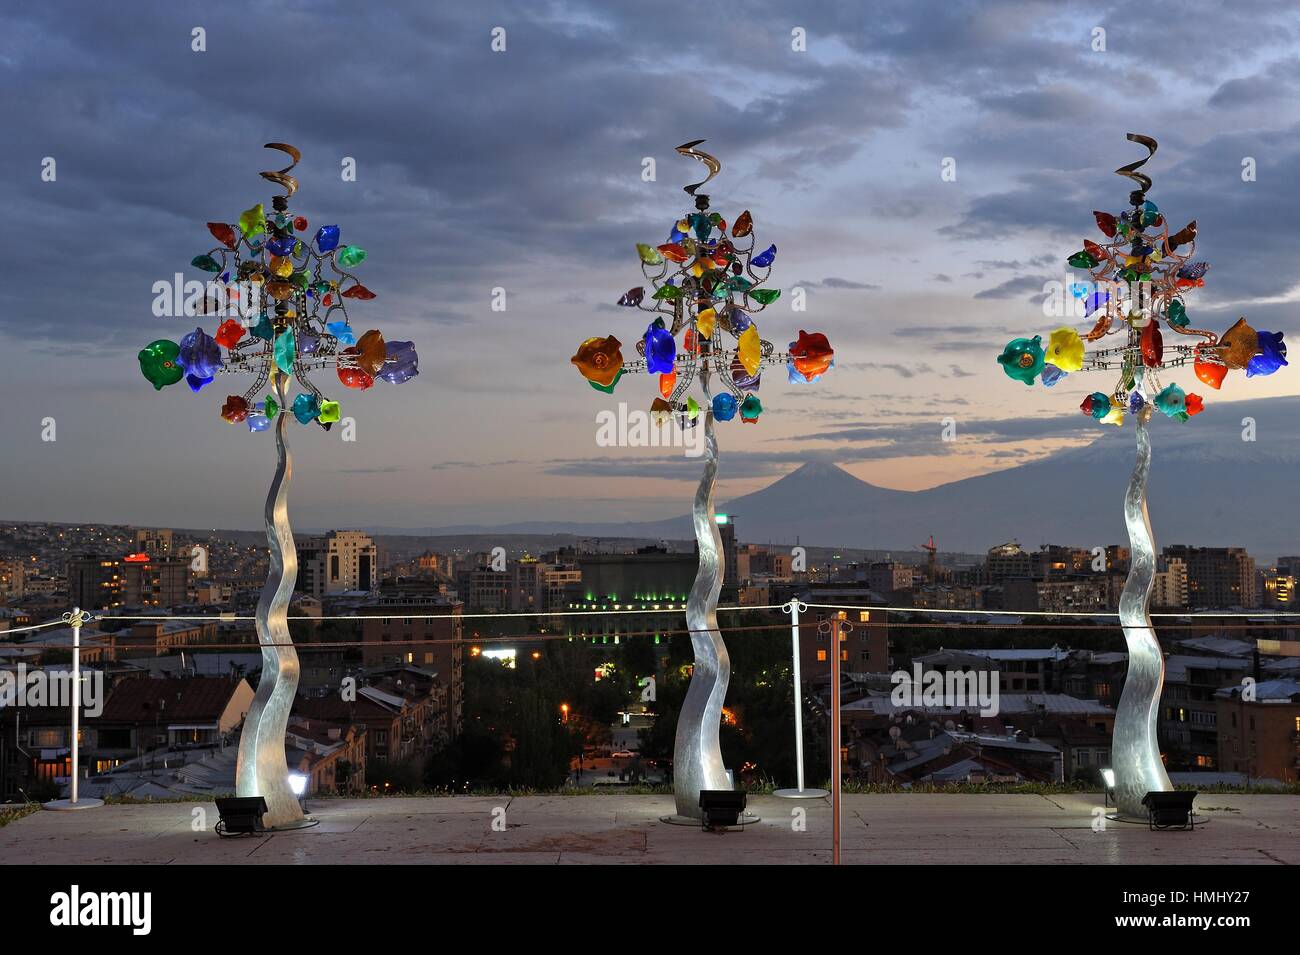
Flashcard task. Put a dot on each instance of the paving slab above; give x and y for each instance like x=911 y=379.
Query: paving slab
x=894 y=828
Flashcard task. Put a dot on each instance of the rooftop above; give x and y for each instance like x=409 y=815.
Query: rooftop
x=1269 y=691
x=624 y=828
x=1051 y=704
x=173 y=699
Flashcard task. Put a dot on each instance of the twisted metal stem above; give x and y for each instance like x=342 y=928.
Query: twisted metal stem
x=262 y=769
x=697 y=752
x=1135 y=750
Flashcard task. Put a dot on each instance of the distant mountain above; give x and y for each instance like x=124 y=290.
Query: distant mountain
x=1208 y=487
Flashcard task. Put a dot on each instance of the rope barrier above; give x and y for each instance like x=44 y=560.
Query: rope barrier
x=92 y=641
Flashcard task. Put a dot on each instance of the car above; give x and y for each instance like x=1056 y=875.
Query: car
x=623 y=754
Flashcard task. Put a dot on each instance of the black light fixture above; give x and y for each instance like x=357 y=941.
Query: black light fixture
x=1107 y=783
x=1170 y=810
x=722 y=808
x=240 y=815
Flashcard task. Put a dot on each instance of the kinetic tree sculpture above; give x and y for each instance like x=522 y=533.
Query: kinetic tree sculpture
x=294 y=289
x=706 y=290
x=1138 y=279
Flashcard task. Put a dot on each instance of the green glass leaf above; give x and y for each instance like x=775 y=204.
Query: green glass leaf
x=1082 y=260
x=1177 y=314
x=329 y=411
x=649 y=254
x=765 y=296
x=667 y=293
x=608 y=389
x=351 y=255
x=206 y=262
x=252 y=221
x=285 y=351
x=271 y=408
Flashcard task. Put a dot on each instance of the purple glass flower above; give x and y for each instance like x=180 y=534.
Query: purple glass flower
x=401 y=363
x=200 y=355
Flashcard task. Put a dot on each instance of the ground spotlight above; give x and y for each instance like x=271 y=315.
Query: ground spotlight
x=240 y=815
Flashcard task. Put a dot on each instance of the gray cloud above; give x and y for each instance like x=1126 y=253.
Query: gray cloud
x=521 y=170
x=1022 y=285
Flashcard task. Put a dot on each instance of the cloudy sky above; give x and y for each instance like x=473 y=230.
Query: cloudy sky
x=521 y=169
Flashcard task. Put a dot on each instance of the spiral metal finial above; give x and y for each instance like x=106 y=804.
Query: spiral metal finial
x=281 y=177
x=688 y=149
x=1131 y=170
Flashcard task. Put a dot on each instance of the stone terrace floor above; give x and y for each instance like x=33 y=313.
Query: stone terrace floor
x=622 y=828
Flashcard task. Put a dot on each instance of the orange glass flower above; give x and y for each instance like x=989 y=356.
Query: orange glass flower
x=371 y=352
x=599 y=360
x=811 y=355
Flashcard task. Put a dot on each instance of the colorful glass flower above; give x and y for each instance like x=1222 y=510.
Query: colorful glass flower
x=1022 y=359
x=704 y=296
x=297 y=315
x=1136 y=286
x=1271 y=356
x=599 y=360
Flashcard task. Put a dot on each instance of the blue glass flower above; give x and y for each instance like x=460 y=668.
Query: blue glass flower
x=1095 y=301
x=1271 y=357
x=306 y=407
x=200 y=355
x=1051 y=374
x=1171 y=401
x=281 y=246
x=343 y=332
x=660 y=350
x=327 y=238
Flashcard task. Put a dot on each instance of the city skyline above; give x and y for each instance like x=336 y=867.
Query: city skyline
x=837 y=151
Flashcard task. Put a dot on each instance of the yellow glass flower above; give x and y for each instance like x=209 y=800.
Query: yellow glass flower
x=1065 y=349
x=704 y=322
x=750 y=350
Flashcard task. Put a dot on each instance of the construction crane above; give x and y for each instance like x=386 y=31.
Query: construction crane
x=931 y=549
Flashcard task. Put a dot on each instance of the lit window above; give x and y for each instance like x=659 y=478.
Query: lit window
x=821 y=656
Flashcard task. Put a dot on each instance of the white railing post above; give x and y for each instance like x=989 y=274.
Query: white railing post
x=792 y=608
x=75 y=619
